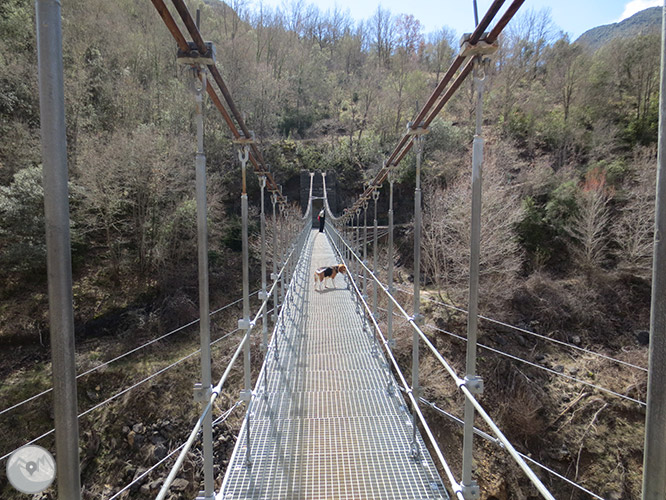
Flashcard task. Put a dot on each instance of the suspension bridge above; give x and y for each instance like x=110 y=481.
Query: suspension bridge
x=331 y=414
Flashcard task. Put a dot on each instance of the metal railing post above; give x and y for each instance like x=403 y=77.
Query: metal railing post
x=276 y=254
x=389 y=313
x=375 y=197
x=365 y=249
x=654 y=461
x=472 y=381
x=263 y=295
x=348 y=224
x=244 y=324
x=283 y=251
x=58 y=255
x=203 y=390
x=416 y=389
x=357 y=247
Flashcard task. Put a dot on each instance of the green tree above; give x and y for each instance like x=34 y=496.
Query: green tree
x=22 y=238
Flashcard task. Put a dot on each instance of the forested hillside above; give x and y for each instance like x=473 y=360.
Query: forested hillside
x=645 y=22
x=569 y=183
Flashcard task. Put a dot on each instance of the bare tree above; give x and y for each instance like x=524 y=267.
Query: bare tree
x=589 y=227
x=439 y=50
x=633 y=230
x=446 y=234
x=383 y=35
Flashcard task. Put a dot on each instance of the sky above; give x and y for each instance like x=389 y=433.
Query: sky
x=570 y=16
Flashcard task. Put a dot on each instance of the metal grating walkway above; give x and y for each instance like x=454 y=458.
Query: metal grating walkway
x=325 y=426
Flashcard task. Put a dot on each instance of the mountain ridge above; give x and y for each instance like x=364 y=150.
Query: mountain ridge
x=645 y=22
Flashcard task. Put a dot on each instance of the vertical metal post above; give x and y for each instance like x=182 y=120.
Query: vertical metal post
x=263 y=296
x=357 y=247
x=365 y=249
x=654 y=458
x=345 y=237
x=276 y=254
x=418 y=143
x=389 y=312
x=58 y=256
x=244 y=324
x=283 y=250
x=348 y=239
x=199 y=79
x=473 y=383
x=375 y=197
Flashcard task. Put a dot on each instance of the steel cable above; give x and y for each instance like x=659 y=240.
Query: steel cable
x=437 y=100
x=218 y=388
x=459 y=382
x=516 y=358
x=549 y=370
x=220 y=419
x=495 y=441
x=106 y=363
x=523 y=330
x=124 y=391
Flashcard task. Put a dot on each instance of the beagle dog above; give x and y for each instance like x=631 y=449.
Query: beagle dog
x=322 y=273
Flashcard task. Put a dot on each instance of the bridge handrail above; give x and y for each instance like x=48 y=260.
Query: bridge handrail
x=218 y=388
x=461 y=383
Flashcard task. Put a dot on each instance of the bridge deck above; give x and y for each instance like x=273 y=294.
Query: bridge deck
x=324 y=427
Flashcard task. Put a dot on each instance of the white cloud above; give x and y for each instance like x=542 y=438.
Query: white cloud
x=637 y=5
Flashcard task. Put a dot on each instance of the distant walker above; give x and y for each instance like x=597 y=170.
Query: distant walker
x=322 y=219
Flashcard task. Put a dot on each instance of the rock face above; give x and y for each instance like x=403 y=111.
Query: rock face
x=179 y=484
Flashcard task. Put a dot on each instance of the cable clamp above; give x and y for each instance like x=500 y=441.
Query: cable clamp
x=417 y=130
x=417 y=319
x=246 y=395
x=194 y=56
x=474 y=384
x=244 y=324
x=246 y=140
x=480 y=48
x=470 y=491
x=202 y=394
x=263 y=294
